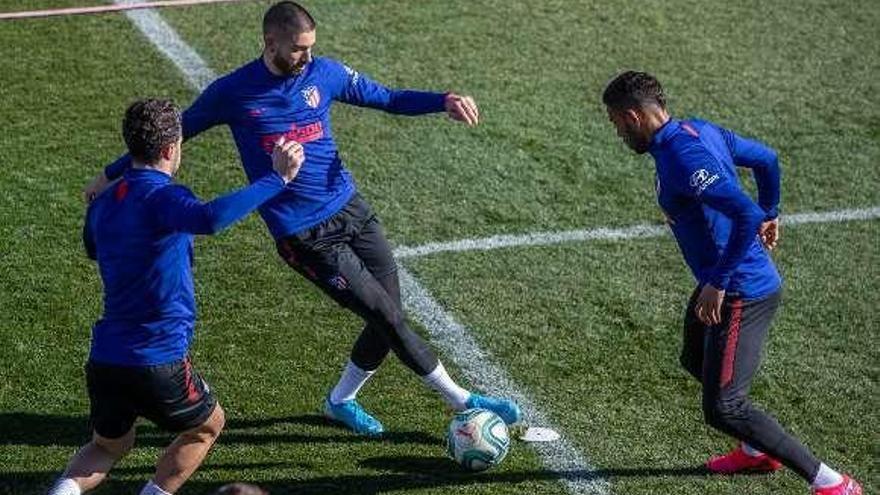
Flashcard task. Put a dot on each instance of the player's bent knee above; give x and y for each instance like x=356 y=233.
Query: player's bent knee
x=116 y=447
x=215 y=423
x=209 y=430
x=725 y=413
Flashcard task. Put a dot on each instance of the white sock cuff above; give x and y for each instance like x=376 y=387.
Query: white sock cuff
x=826 y=477
x=353 y=368
x=436 y=374
x=65 y=486
x=751 y=451
x=152 y=488
x=350 y=382
x=439 y=380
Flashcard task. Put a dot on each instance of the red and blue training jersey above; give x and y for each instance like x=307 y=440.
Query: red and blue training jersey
x=713 y=220
x=259 y=107
x=140 y=231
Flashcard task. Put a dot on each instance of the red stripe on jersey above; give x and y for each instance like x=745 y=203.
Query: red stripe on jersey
x=690 y=130
x=121 y=191
x=729 y=356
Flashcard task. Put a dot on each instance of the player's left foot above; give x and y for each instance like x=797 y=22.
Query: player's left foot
x=848 y=486
x=737 y=461
x=352 y=415
x=505 y=408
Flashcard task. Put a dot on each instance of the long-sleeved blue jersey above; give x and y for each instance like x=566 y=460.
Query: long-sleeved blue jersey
x=714 y=221
x=259 y=107
x=140 y=231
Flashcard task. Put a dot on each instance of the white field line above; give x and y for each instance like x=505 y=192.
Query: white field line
x=454 y=340
x=103 y=9
x=167 y=41
x=605 y=233
x=457 y=343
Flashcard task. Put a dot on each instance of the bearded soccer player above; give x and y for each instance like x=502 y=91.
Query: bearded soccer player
x=724 y=237
x=322 y=227
x=140 y=231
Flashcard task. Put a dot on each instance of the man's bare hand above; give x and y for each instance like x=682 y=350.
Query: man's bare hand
x=708 y=307
x=462 y=108
x=95 y=187
x=769 y=233
x=287 y=158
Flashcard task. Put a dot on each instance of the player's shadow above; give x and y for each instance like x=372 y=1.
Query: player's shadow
x=20 y=428
x=389 y=473
x=130 y=479
x=414 y=473
x=397 y=473
x=443 y=466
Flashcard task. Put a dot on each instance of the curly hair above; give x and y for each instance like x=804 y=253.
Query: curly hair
x=148 y=126
x=632 y=89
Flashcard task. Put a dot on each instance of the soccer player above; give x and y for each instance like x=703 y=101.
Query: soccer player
x=722 y=234
x=140 y=232
x=322 y=227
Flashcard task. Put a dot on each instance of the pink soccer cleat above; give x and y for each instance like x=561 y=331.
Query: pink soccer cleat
x=737 y=461
x=848 y=486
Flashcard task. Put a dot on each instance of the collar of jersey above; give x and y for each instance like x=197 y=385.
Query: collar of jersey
x=663 y=133
x=147 y=174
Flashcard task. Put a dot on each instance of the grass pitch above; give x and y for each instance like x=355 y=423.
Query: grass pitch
x=590 y=330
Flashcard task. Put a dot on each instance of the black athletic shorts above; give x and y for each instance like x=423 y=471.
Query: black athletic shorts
x=173 y=396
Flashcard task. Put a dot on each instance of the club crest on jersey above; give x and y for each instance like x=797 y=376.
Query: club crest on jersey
x=311 y=96
x=701 y=179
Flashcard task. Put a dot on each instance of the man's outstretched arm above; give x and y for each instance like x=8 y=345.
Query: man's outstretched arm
x=358 y=89
x=178 y=209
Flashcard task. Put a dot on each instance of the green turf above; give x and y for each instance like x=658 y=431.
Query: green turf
x=800 y=76
x=594 y=330
x=270 y=355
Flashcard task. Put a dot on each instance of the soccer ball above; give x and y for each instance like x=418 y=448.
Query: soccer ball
x=477 y=439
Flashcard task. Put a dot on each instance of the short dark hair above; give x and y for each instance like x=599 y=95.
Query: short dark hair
x=150 y=125
x=632 y=89
x=288 y=17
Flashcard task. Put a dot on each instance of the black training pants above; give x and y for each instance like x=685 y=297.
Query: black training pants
x=348 y=257
x=725 y=358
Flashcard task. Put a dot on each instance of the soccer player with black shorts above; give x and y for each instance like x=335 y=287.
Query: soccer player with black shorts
x=140 y=232
x=322 y=227
x=723 y=236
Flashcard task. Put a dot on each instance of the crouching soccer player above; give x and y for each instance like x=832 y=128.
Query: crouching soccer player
x=140 y=231
x=720 y=231
x=324 y=229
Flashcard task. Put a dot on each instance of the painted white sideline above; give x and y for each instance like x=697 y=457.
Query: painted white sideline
x=453 y=339
x=167 y=41
x=457 y=343
x=103 y=9
x=605 y=233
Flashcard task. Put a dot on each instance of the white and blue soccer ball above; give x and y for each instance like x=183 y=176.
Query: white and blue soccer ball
x=477 y=439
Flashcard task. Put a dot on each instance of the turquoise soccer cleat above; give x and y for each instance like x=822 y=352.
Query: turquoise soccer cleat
x=505 y=408
x=352 y=415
